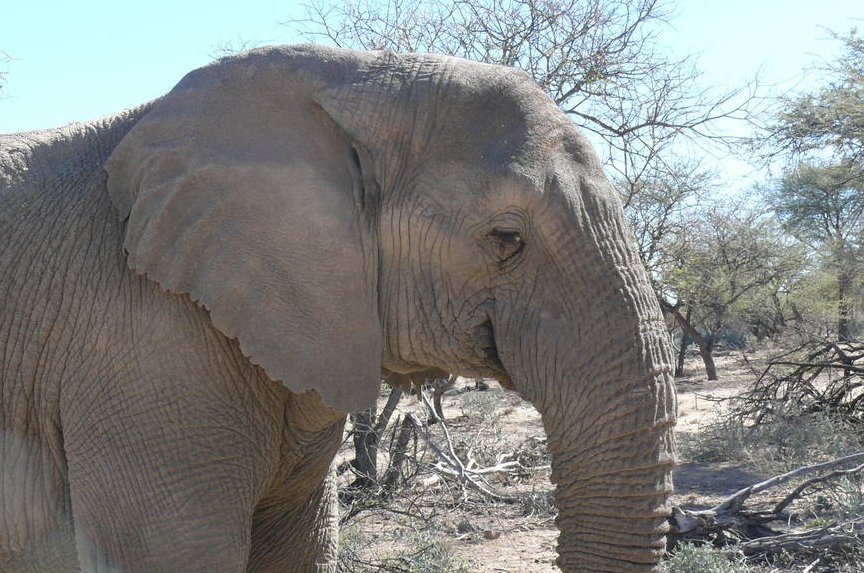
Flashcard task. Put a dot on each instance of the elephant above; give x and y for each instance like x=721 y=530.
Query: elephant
x=195 y=293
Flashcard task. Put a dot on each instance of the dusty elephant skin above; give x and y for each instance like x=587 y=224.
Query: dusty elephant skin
x=194 y=293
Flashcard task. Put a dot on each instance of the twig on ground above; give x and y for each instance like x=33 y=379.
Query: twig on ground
x=449 y=463
x=455 y=467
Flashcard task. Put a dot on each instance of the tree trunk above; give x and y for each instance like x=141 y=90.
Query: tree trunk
x=844 y=307
x=365 y=449
x=705 y=343
x=706 y=350
x=682 y=352
x=368 y=428
x=393 y=475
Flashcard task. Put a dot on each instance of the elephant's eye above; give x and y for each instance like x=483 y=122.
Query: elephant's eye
x=506 y=244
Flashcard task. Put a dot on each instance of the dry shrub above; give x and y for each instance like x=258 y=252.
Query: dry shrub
x=705 y=558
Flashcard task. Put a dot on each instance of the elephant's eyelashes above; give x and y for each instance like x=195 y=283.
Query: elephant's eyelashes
x=506 y=244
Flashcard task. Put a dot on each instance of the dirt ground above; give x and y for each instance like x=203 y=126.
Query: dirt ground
x=521 y=536
x=706 y=483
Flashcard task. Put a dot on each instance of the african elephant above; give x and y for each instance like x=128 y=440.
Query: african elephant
x=194 y=293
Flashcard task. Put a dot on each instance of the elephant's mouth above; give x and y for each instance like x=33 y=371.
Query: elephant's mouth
x=483 y=339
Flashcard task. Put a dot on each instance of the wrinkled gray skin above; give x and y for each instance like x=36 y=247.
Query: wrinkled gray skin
x=193 y=294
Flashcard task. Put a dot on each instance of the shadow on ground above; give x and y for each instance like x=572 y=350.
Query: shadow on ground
x=713 y=478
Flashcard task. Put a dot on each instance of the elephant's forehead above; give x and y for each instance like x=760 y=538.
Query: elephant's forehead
x=562 y=186
x=553 y=168
x=469 y=184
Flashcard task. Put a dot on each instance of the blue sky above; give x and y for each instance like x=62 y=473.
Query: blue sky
x=79 y=60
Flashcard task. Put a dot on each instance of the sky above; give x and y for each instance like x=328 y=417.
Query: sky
x=83 y=59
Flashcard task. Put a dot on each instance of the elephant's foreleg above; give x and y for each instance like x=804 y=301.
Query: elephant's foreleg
x=162 y=482
x=35 y=521
x=299 y=537
x=184 y=530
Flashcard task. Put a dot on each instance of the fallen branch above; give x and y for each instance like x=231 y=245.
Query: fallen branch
x=816 y=377
x=796 y=493
x=730 y=517
x=835 y=365
x=453 y=459
x=737 y=498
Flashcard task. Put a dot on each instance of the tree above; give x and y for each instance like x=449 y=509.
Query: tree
x=597 y=59
x=820 y=196
x=659 y=208
x=823 y=207
x=368 y=429
x=680 y=242
x=732 y=258
x=832 y=118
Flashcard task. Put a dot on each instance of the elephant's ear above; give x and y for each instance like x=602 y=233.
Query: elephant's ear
x=242 y=192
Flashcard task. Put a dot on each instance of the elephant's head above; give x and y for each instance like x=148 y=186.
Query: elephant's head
x=345 y=215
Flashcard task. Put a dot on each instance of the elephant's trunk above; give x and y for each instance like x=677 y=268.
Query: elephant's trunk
x=603 y=384
x=610 y=437
x=612 y=471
